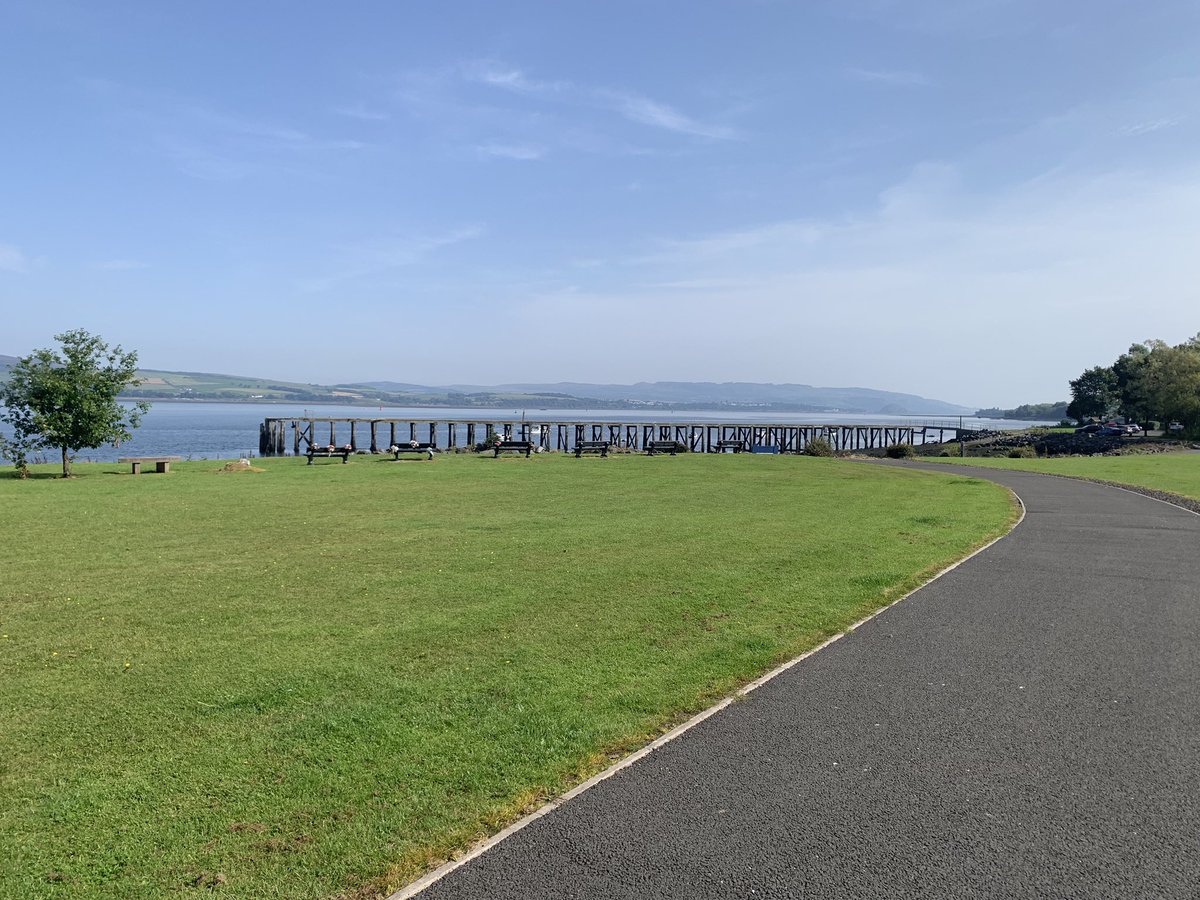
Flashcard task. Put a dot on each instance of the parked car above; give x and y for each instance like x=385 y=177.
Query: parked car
x=1089 y=429
x=1133 y=428
x=1175 y=426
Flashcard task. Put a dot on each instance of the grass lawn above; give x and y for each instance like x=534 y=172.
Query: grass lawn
x=315 y=681
x=1176 y=473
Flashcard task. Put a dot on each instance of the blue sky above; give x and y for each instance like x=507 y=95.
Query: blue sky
x=971 y=200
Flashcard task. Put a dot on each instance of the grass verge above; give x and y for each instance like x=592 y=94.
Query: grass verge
x=316 y=681
x=1175 y=473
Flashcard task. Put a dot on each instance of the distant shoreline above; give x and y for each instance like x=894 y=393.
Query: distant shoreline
x=601 y=405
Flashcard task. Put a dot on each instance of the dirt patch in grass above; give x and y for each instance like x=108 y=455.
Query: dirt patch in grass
x=238 y=465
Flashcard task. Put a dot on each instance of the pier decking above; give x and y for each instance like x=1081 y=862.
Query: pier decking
x=375 y=435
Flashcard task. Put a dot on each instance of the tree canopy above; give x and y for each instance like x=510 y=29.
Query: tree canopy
x=1093 y=394
x=67 y=398
x=1152 y=381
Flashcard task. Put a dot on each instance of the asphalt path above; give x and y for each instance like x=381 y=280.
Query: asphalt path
x=1027 y=725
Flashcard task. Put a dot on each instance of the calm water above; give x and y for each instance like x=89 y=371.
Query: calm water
x=230 y=430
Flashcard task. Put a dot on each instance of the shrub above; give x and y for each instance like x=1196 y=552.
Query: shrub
x=900 y=451
x=818 y=447
x=489 y=443
x=1022 y=453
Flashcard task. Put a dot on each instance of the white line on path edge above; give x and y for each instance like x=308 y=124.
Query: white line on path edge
x=414 y=888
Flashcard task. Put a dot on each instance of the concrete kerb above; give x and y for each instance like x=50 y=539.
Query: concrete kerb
x=416 y=887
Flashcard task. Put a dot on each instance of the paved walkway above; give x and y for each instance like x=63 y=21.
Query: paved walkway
x=1026 y=726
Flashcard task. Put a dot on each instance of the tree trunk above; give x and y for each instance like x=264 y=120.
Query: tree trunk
x=66 y=463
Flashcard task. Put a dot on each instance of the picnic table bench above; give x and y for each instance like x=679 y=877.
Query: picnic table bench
x=582 y=447
x=525 y=447
x=671 y=447
x=161 y=463
x=412 y=447
x=735 y=446
x=328 y=452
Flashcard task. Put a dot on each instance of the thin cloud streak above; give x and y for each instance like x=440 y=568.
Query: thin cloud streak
x=122 y=265
x=633 y=107
x=211 y=144
x=383 y=255
x=1148 y=127
x=645 y=111
x=522 y=152
x=882 y=76
x=362 y=113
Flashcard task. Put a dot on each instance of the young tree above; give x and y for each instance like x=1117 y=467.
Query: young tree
x=16 y=450
x=67 y=399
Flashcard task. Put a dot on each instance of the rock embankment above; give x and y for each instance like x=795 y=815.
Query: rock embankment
x=1054 y=444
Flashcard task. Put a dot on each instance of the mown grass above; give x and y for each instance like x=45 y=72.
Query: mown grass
x=310 y=682
x=1175 y=473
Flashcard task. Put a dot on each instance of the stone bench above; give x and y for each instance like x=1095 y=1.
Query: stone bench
x=161 y=463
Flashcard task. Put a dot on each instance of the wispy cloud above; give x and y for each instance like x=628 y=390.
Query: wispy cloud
x=13 y=260
x=1148 y=126
x=888 y=76
x=509 y=78
x=771 y=236
x=645 y=111
x=377 y=256
x=523 y=152
x=630 y=106
x=213 y=144
x=1103 y=256
x=122 y=265
x=363 y=113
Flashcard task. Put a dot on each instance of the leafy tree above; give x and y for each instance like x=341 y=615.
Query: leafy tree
x=1127 y=370
x=1167 y=383
x=68 y=399
x=1093 y=394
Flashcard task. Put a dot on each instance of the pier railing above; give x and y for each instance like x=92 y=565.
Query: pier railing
x=377 y=434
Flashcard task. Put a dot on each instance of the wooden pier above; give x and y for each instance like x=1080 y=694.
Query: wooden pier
x=375 y=435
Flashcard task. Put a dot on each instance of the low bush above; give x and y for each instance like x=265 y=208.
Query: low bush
x=1022 y=453
x=900 y=451
x=818 y=447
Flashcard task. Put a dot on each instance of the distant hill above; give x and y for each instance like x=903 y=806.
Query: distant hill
x=801 y=397
x=170 y=385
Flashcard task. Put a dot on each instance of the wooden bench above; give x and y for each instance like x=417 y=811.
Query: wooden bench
x=525 y=447
x=328 y=452
x=412 y=447
x=161 y=463
x=735 y=446
x=582 y=447
x=671 y=447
